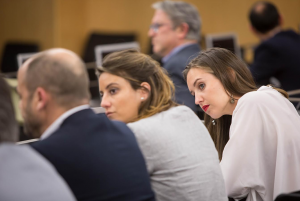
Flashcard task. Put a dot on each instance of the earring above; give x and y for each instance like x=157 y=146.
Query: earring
x=231 y=99
x=142 y=98
x=213 y=122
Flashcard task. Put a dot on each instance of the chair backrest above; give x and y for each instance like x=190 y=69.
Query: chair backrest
x=295 y=99
x=295 y=196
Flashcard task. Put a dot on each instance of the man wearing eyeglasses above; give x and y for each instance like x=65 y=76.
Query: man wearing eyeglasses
x=175 y=33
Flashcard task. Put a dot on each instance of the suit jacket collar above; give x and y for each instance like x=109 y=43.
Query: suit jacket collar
x=57 y=123
x=176 y=50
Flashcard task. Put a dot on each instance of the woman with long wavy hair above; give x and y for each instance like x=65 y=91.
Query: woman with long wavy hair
x=256 y=131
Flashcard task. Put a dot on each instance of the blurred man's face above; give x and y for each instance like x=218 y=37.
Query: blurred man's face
x=164 y=37
x=32 y=123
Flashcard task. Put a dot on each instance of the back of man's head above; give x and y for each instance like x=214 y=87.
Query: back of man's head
x=264 y=16
x=8 y=125
x=61 y=73
x=182 y=12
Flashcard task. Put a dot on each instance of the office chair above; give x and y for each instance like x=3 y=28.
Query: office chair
x=295 y=196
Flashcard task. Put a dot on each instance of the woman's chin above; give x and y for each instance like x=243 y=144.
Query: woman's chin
x=215 y=116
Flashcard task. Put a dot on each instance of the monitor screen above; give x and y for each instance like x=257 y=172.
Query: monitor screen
x=104 y=39
x=21 y=58
x=102 y=50
x=227 y=41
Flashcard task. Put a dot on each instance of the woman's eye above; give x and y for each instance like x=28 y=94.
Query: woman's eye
x=201 y=86
x=113 y=91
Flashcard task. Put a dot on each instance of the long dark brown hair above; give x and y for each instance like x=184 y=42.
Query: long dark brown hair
x=236 y=80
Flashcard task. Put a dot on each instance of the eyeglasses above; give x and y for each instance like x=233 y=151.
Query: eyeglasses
x=156 y=26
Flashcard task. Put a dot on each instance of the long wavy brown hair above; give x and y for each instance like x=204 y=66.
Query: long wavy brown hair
x=137 y=68
x=236 y=79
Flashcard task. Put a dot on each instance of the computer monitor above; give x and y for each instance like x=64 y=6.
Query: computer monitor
x=102 y=50
x=224 y=40
x=21 y=58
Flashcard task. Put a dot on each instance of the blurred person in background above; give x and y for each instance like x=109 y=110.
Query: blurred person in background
x=175 y=34
x=278 y=54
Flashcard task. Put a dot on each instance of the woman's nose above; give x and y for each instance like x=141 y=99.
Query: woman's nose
x=105 y=102
x=198 y=99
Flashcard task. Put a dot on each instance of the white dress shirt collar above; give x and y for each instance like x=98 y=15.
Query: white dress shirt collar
x=56 y=124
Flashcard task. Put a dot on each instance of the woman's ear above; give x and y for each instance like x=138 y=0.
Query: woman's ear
x=145 y=90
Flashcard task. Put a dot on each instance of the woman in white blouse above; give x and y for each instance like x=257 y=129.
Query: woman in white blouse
x=256 y=131
x=180 y=155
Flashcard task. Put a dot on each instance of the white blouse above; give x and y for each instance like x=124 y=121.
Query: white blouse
x=262 y=156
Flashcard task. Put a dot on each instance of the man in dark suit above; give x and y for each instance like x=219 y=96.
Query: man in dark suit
x=278 y=55
x=98 y=158
x=175 y=33
x=24 y=174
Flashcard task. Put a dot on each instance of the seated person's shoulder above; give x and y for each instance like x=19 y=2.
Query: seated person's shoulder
x=262 y=97
x=26 y=155
x=173 y=116
x=277 y=43
x=267 y=46
x=20 y=166
x=121 y=127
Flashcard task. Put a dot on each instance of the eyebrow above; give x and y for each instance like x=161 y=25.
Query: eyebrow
x=111 y=84
x=108 y=86
x=196 y=81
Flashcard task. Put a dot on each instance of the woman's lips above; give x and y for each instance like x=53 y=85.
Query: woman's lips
x=205 y=107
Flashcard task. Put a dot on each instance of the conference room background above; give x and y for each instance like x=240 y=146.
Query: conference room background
x=68 y=23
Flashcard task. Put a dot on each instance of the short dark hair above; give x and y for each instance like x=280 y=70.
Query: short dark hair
x=8 y=125
x=265 y=19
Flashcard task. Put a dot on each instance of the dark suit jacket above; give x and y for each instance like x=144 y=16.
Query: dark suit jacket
x=175 y=65
x=99 y=159
x=279 y=57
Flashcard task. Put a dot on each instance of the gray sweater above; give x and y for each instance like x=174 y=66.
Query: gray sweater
x=181 y=158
